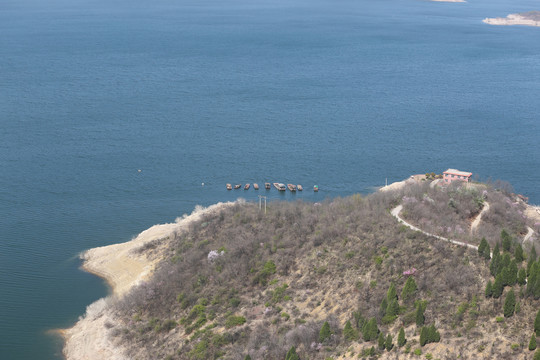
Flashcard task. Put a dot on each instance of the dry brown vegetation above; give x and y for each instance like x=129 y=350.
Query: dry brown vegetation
x=244 y=282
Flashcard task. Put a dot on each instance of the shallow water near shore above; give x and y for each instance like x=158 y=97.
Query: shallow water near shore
x=339 y=94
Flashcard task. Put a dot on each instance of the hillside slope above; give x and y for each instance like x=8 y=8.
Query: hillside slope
x=238 y=282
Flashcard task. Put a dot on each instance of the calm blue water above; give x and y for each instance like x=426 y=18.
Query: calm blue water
x=342 y=94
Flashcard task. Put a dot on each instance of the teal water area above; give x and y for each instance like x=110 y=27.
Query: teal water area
x=342 y=94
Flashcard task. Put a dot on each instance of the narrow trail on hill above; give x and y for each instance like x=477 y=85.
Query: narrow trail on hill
x=530 y=233
x=395 y=212
x=478 y=218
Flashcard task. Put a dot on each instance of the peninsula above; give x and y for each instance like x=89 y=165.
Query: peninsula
x=531 y=18
x=448 y=270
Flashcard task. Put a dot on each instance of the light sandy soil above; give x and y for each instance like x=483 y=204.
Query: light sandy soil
x=401 y=184
x=478 y=218
x=516 y=19
x=122 y=266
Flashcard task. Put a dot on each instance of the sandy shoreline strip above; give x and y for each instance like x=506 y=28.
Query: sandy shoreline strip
x=513 y=19
x=123 y=267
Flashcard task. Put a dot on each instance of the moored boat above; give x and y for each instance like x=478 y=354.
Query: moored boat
x=280 y=186
x=246 y=187
x=315 y=188
x=299 y=187
x=237 y=186
x=291 y=187
x=229 y=187
x=267 y=186
x=256 y=186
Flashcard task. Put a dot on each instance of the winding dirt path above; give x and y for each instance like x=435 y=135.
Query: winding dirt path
x=478 y=218
x=395 y=212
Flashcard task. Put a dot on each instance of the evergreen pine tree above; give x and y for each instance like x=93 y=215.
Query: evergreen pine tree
x=389 y=345
x=505 y=260
x=505 y=276
x=536 y=355
x=370 y=330
x=409 y=289
x=537 y=323
x=498 y=287
x=489 y=289
x=391 y=294
x=518 y=253
x=393 y=308
x=401 y=340
x=487 y=252
x=506 y=240
x=383 y=307
x=423 y=336
x=247 y=357
x=532 y=343
x=420 y=319
x=536 y=291
x=372 y=351
x=482 y=247
x=512 y=273
x=325 y=332
x=433 y=334
x=495 y=263
x=381 y=342
x=291 y=354
x=349 y=333
x=509 y=304
x=522 y=276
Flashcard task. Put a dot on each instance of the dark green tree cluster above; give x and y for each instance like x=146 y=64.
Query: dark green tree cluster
x=429 y=334
x=401 y=340
x=381 y=341
x=370 y=331
x=420 y=318
x=484 y=250
x=389 y=308
x=509 y=304
x=506 y=273
x=506 y=241
x=325 y=332
x=518 y=253
x=532 y=342
x=409 y=289
x=389 y=343
x=291 y=354
x=349 y=332
x=533 y=281
x=537 y=323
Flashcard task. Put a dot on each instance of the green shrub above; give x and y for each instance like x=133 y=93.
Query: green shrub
x=233 y=321
x=417 y=351
x=532 y=343
x=325 y=332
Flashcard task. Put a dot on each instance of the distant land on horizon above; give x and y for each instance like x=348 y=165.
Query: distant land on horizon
x=531 y=18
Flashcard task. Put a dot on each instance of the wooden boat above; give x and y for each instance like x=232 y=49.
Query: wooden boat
x=299 y=187
x=280 y=186
x=291 y=187
x=229 y=187
x=315 y=188
x=267 y=186
x=256 y=186
x=237 y=186
x=246 y=187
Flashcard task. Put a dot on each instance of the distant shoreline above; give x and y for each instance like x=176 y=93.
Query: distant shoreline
x=531 y=18
x=122 y=266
